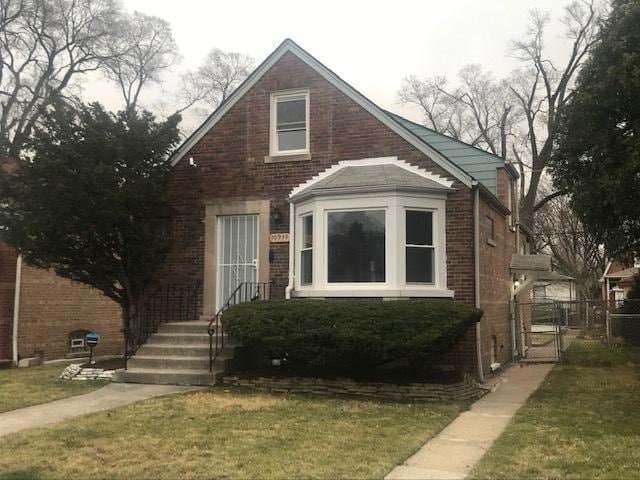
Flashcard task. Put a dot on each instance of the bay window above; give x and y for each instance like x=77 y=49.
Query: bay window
x=388 y=245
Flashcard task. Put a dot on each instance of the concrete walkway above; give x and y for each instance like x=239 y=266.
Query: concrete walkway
x=111 y=396
x=455 y=451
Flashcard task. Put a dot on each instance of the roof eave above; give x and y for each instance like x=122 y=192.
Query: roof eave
x=327 y=192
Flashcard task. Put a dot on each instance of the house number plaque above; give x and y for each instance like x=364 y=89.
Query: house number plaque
x=279 y=237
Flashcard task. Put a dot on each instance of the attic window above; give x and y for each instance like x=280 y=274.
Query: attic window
x=290 y=122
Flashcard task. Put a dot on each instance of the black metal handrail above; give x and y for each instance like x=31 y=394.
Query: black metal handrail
x=174 y=302
x=245 y=292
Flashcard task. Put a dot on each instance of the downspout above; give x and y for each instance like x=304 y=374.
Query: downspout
x=16 y=310
x=476 y=260
x=512 y=302
x=292 y=223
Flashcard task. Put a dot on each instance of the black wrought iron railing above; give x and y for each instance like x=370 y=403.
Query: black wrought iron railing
x=245 y=292
x=176 y=302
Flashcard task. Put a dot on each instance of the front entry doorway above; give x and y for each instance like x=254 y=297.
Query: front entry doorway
x=237 y=260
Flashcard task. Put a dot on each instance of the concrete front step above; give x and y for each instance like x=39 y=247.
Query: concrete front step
x=178 y=363
x=179 y=338
x=173 y=350
x=165 y=377
x=184 y=327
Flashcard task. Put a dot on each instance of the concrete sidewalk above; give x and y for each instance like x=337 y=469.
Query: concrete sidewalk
x=111 y=396
x=459 y=447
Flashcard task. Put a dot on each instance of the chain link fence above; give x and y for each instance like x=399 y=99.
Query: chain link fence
x=547 y=330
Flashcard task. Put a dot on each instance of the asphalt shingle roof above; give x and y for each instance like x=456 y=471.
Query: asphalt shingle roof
x=373 y=176
x=536 y=263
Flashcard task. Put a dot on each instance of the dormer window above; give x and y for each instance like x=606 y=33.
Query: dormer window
x=290 y=122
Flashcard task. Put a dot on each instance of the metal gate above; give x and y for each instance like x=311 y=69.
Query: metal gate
x=237 y=253
x=540 y=332
x=547 y=329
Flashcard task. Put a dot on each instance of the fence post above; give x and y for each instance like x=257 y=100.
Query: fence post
x=608 y=327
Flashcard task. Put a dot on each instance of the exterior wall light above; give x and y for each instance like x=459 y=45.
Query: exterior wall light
x=276 y=216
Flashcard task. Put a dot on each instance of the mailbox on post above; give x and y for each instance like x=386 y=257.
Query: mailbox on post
x=91 y=339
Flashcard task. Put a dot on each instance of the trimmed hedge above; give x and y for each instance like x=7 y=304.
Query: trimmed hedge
x=349 y=334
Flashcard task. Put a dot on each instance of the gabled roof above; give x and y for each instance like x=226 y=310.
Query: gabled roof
x=289 y=46
x=370 y=175
x=466 y=163
x=626 y=273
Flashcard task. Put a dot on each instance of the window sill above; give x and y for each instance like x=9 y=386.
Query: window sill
x=409 y=292
x=491 y=242
x=300 y=157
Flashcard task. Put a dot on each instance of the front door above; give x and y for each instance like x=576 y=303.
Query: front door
x=237 y=254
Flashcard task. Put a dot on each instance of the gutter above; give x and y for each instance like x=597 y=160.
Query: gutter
x=476 y=261
x=16 y=310
x=292 y=220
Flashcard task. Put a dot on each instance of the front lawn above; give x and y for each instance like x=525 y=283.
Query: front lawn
x=228 y=434
x=23 y=387
x=583 y=422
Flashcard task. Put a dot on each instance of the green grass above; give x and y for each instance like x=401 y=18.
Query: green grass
x=23 y=387
x=583 y=422
x=228 y=434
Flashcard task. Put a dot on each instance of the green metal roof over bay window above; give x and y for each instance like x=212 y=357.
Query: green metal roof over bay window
x=482 y=166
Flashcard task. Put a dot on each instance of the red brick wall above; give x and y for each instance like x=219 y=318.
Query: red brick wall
x=7 y=291
x=231 y=166
x=52 y=307
x=495 y=284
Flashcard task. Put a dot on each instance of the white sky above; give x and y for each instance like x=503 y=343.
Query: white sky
x=371 y=44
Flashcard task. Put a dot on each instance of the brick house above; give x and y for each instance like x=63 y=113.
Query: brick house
x=300 y=180
x=41 y=314
x=51 y=313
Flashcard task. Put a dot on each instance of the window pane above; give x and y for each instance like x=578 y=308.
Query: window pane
x=306 y=267
x=291 y=111
x=292 y=140
x=356 y=246
x=307 y=231
x=419 y=265
x=419 y=228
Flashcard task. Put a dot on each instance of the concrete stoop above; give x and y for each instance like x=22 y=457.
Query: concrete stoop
x=177 y=355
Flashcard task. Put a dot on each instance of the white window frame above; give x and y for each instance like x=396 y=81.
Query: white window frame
x=395 y=205
x=306 y=249
x=273 y=133
x=325 y=239
x=432 y=246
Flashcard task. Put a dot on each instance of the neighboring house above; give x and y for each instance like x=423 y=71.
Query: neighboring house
x=300 y=180
x=554 y=287
x=44 y=315
x=618 y=279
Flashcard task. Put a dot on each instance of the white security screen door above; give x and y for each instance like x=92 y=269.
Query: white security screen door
x=237 y=254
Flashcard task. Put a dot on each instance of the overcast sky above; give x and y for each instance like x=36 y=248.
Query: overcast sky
x=372 y=45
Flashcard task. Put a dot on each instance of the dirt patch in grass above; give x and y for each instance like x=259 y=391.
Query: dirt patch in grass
x=235 y=434
x=583 y=422
x=23 y=387
x=203 y=404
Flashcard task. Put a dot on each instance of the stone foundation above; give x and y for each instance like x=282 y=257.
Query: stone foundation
x=415 y=392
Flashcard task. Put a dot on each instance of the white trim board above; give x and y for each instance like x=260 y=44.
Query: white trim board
x=289 y=45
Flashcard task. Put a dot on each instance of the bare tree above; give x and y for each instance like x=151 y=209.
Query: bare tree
x=574 y=250
x=45 y=45
x=514 y=118
x=145 y=49
x=218 y=76
x=478 y=111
